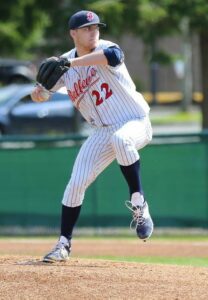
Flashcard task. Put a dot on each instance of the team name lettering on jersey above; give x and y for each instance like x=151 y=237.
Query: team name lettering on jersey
x=80 y=87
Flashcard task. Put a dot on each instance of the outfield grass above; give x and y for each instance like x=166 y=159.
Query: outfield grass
x=155 y=237
x=174 y=238
x=192 y=261
x=178 y=117
x=186 y=261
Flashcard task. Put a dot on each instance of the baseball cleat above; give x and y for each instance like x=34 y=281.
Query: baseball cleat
x=59 y=253
x=142 y=220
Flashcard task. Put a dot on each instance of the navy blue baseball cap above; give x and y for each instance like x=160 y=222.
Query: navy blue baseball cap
x=84 y=18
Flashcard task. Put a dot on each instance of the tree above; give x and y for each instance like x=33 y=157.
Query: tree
x=152 y=19
x=34 y=28
x=196 y=11
x=21 y=27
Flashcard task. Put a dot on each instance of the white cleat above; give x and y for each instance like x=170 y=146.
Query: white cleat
x=142 y=220
x=59 y=253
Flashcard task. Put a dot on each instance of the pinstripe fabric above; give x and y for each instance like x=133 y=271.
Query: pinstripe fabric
x=119 y=99
x=119 y=142
x=107 y=98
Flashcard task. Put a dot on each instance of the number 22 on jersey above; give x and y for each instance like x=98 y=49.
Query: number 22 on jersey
x=107 y=93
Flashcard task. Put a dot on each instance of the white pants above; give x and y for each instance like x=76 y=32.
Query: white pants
x=120 y=141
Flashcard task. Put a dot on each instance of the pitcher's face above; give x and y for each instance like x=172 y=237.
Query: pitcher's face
x=86 y=38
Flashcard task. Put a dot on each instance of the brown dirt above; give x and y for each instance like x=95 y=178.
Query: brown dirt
x=24 y=276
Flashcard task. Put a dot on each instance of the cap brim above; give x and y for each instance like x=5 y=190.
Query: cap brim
x=93 y=23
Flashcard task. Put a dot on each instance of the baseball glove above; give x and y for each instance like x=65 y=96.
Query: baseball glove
x=51 y=70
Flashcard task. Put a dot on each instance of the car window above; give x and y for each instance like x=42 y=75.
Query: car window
x=59 y=97
x=25 y=100
x=6 y=93
x=54 y=98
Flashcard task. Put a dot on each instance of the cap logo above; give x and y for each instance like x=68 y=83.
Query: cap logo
x=90 y=16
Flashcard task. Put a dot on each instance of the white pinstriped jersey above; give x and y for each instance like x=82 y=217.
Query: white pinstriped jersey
x=104 y=95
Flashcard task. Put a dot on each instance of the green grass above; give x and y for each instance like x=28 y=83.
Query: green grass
x=174 y=238
x=181 y=238
x=169 y=238
x=179 y=117
x=156 y=237
x=185 y=261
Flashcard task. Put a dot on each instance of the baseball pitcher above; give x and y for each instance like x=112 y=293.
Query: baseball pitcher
x=100 y=87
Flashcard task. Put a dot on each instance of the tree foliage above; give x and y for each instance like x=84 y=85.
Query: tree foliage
x=30 y=28
x=33 y=27
x=21 y=27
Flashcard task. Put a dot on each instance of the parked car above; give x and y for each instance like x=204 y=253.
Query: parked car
x=16 y=71
x=20 y=115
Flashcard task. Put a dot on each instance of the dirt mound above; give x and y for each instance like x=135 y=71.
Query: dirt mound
x=24 y=276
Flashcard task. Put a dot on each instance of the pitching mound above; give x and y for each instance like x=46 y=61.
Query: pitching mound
x=26 y=277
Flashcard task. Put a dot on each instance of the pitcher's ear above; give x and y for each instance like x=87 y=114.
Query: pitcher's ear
x=72 y=33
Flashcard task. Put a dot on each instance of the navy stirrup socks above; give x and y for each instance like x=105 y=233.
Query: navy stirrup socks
x=132 y=176
x=68 y=220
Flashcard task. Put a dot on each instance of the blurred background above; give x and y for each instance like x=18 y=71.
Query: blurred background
x=165 y=44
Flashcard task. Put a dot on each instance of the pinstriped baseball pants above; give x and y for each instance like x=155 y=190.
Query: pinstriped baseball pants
x=120 y=142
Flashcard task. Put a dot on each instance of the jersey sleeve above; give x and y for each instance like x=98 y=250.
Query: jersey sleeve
x=114 y=55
